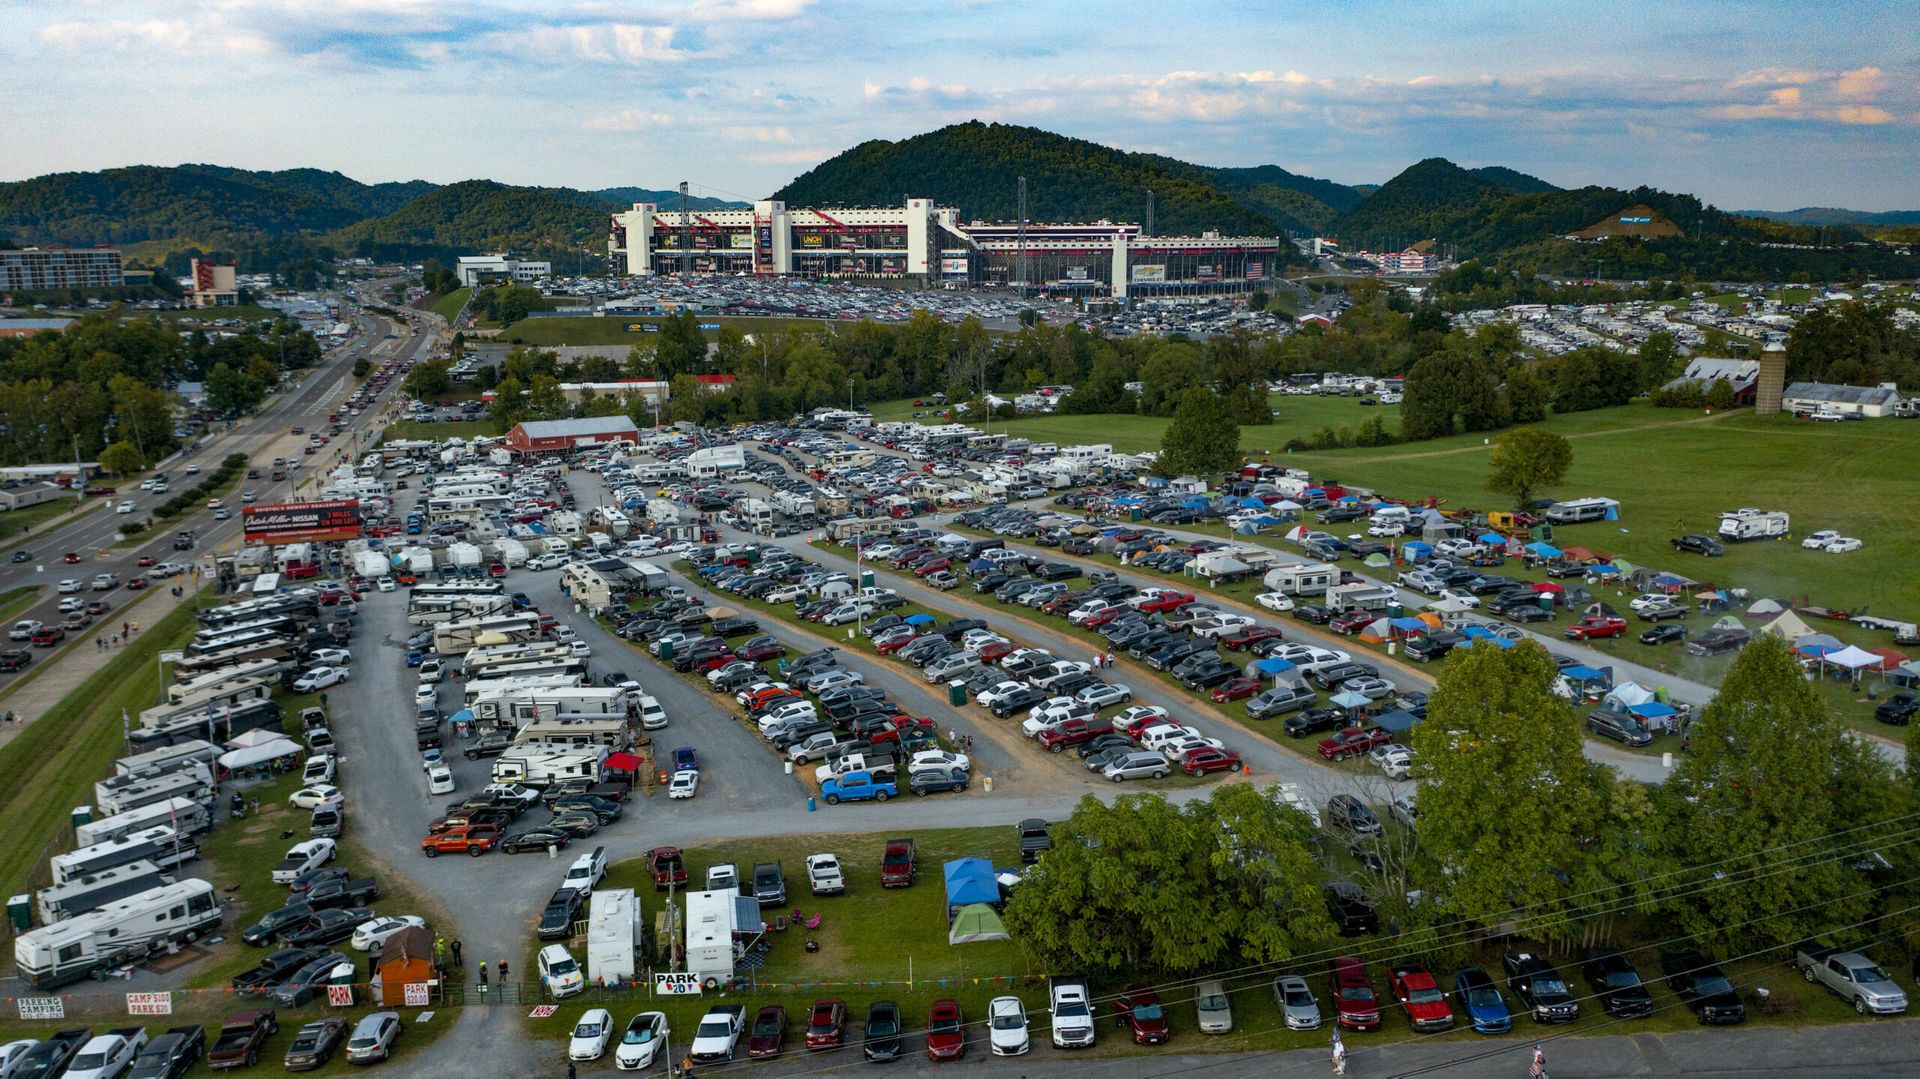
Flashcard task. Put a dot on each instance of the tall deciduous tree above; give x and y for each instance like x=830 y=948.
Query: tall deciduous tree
x=1526 y=459
x=1203 y=437
x=121 y=458
x=1507 y=798
x=1769 y=775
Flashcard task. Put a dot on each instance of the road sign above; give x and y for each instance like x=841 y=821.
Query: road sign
x=340 y=996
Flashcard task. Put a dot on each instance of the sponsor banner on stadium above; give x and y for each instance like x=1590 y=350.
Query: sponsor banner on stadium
x=1150 y=272
x=1079 y=273
x=301 y=522
x=812 y=239
x=741 y=240
x=1206 y=271
x=643 y=327
x=953 y=266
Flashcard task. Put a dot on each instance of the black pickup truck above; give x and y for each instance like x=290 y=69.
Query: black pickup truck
x=343 y=893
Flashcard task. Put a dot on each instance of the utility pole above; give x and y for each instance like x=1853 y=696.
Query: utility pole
x=1149 y=231
x=686 y=233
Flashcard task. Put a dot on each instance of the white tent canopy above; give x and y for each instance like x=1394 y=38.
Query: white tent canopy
x=257 y=737
x=1853 y=657
x=1629 y=694
x=273 y=749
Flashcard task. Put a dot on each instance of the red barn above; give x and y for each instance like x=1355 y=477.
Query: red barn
x=536 y=437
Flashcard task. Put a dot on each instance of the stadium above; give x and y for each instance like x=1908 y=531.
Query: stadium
x=928 y=243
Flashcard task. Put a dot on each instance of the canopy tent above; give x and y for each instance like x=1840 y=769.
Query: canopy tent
x=1416 y=550
x=257 y=737
x=257 y=754
x=1604 y=569
x=1652 y=710
x=1629 y=694
x=1763 y=607
x=1272 y=665
x=1287 y=504
x=1399 y=721
x=1906 y=674
x=1814 y=644
x=1377 y=560
x=1542 y=549
x=1349 y=700
x=1853 y=658
x=976 y=923
x=622 y=762
x=1582 y=673
x=1789 y=626
x=1408 y=625
x=1670 y=580
x=970 y=880
x=1490 y=538
x=918 y=620
x=1548 y=587
x=464 y=715
x=1448 y=605
x=1580 y=554
x=1487 y=638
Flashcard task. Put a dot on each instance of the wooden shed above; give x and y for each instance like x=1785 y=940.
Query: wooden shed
x=406 y=957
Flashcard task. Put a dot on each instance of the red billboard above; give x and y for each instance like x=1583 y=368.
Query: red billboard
x=302 y=522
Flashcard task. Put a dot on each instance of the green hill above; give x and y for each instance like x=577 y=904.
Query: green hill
x=977 y=166
x=480 y=215
x=1427 y=200
x=1513 y=179
x=1830 y=215
x=192 y=204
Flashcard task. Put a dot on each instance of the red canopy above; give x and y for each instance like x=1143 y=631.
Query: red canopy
x=1548 y=586
x=623 y=762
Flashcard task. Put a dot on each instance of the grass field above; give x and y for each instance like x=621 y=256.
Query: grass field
x=588 y=330
x=12 y=521
x=15 y=600
x=50 y=767
x=468 y=429
x=448 y=306
x=1734 y=299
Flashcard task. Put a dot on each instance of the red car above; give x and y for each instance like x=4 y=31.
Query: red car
x=894 y=644
x=934 y=566
x=754 y=653
x=135 y=584
x=496 y=569
x=1352 y=621
x=768 y=1032
x=995 y=651
x=719 y=659
x=1147 y=717
x=144 y=560
x=1101 y=618
x=1073 y=732
x=48 y=636
x=1413 y=986
x=946 y=1031
x=70 y=558
x=1170 y=602
x=1234 y=689
x=827 y=1025
x=101 y=492
x=1139 y=1008
x=897 y=725
x=1202 y=760
x=1597 y=625
x=1354 y=1002
x=1354 y=742
x=1249 y=636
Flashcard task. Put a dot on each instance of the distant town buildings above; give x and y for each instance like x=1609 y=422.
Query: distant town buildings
x=927 y=242
x=45 y=269
x=472 y=269
x=214 y=284
x=27 y=327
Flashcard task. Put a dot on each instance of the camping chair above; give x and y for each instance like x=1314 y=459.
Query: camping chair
x=811 y=923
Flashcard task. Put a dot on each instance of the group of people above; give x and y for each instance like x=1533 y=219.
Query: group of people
x=115 y=640
x=1102 y=660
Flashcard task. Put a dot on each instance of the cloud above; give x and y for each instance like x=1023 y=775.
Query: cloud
x=920 y=91
x=604 y=43
x=747 y=10
x=628 y=120
x=1860 y=82
x=119 y=35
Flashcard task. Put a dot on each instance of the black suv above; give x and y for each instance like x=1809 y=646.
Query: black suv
x=1351 y=912
x=1620 y=726
x=1617 y=984
x=1703 y=987
x=1897 y=709
x=1540 y=988
x=556 y=922
x=1697 y=544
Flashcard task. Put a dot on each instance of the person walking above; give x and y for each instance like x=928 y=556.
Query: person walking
x=483 y=977
x=1339 y=1055
x=503 y=970
x=457 y=963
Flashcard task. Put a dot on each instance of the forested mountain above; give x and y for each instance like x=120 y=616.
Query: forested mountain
x=1513 y=179
x=480 y=215
x=624 y=197
x=977 y=167
x=1419 y=204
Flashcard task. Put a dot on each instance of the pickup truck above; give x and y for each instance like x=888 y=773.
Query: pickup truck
x=1071 y=1010
x=343 y=893
x=667 y=866
x=897 y=864
x=1034 y=838
x=108 y=1055
x=1597 y=625
x=171 y=1055
x=1414 y=987
x=769 y=883
x=241 y=1038
x=1852 y=976
x=824 y=876
x=1073 y=732
x=857 y=787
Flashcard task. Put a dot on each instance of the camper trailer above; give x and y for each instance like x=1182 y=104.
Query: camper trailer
x=577 y=732
x=457 y=637
x=159 y=759
x=709 y=935
x=1301 y=578
x=161 y=845
x=541 y=764
x=124 y=793
x=518 y=708
x=185 y=815
x=126 y=931
x=96 y=890
x=1752 y=524
x=586 y=585
x=613 y=936
x=1581 y=510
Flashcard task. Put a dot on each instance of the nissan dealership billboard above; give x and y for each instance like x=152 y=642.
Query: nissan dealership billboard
x=302 y=522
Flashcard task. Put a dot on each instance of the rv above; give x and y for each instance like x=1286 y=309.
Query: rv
x=849 y=527
x=161 y=845
x=516 y=709
x=577 y=732
x=1361 y=595
x=585 y=585
x=457 y=637
x=184 y=815
x=709 y=935
x=539 y=764
x=792 y=504
x=299 y=604
x=215 y=724
x=122 y=932
x=96 y=890
x=216 y=697
x=1580 y=510
x=1752 y=524
x=440 y=609
x=225 y=642
x=124 y=793
x=1301 y=578
x=613 y=936
x=160 y=759
x=480 y=656
x=532 y=666
x=482 y=689
x=197 y=687
x=277 y=648
x=754 y=514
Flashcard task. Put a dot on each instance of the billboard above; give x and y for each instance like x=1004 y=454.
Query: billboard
x=1150 y=272
x=301 y=522
x=812 y=239
x=742 y=240
x=1635 y=220
x=1206 y=272
x=955 y=266
x=1079 y=273
x=643 y=327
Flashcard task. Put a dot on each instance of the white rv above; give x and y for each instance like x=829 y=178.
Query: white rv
x=126 y=931
x=613 y=936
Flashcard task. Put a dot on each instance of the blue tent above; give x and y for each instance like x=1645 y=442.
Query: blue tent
x=1252 y=504
x=970 y=880
x=1399 y=722
x=1126 y=501
x=464 y=715
x=979 y=565
x=1195 y=503
x=1476 y=632
x=1668 y=580
x=1416 y=550
x=1653 y=710
x=1544 y=549
x=1348 y=498
x=1582 y=674
x=1492 y=537
x=1349 y=699
x=1410 y=625
x=1605 y=569
x=1272 y=665
x=918 y=620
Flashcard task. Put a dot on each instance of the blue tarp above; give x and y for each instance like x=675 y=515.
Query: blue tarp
x=1582 y=674
x=1410 y=625
x=970 y=880
x=1605 y=569
x=1272 y=665
x=1488 y=638
x=1348 y=498
x=1544 y=549
x=1653 y=710
x=1195 y=503
x=1399 y=722
x=1126 y=501
x=1476 y=632
x=1492 y=537
x=979 y=565
x=464 y=715
x=1349 y=699
x=1252 y=504
x=1668 y=580
x=918 y=620
x=1416 y=549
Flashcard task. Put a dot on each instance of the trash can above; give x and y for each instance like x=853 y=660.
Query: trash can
x=956 y=693
x=20 y=913
x=811 y=804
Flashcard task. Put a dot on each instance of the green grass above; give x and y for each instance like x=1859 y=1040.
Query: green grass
x=1735 y=299
x=12 y=521
x=50 y=766
x=448 y=306
x=468 y=429
x=612 y=330
x=15 y=600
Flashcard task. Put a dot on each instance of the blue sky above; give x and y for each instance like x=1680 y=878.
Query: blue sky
x=1750 y=105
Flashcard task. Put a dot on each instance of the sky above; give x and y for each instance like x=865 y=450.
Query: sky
x=1772 y=105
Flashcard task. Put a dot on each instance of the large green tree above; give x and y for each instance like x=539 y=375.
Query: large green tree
x=1507 y=797
x=1203 y=437
x=1768 y=776
x=1526 y=459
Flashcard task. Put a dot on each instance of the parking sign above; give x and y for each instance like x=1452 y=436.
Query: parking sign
x=677 y=985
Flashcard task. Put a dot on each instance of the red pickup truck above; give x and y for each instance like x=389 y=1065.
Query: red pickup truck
x=1597 y=625
x=1354 y=742
x=897 y=864
x=1074 y=732
x=1413 y=986
x=241 y=1039
x=1170 y=602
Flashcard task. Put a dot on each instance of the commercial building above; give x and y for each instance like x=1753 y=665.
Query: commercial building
x=1869 y=401
x=921 y=240
x=536 y=437
x=214 y=284
x=472 y=269
x=44 y=269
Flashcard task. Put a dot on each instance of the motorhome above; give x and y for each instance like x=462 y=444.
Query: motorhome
x=578 y=732
x=120 y=794
x=200 y=684
x=539 y=764
x=465 y=507
x=217 y=721
x=95 y=890
x=754 y=514
x=518 y=708
x=613 y=936
x=532 y=667
x=586 y=585
x=266 y=623
x=793 y=504
x=1580 y=510
x=226 y=642
x=126 y=931
x=438 y=609
x=484 y=688
x=1361 y=595
x=164 y=846
x=162 y=758
x=457 y=637
x=184 y=815
x=849 y=527
x=302 y=603
x=1301 y=578
x=228 y=692
x=276 y=648
x=480 y=656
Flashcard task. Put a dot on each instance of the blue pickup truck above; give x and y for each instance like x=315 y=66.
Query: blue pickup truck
x=857 y=787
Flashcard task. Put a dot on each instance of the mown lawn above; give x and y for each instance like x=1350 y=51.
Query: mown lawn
x=467 y=429
x=448 y=306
